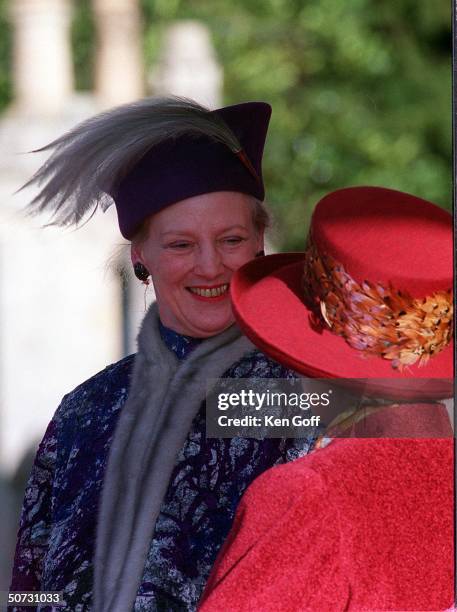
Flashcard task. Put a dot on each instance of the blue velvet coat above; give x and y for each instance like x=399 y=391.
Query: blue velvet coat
x=58 y=522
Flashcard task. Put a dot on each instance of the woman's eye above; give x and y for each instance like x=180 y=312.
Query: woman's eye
x=231 y=240
x=179 y=246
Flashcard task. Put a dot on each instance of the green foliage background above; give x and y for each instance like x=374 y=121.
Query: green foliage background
x=361 y=89
x=5 y=56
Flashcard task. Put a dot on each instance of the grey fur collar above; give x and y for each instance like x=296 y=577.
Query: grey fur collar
x=153 y=425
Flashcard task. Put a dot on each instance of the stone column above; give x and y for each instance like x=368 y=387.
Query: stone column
x=187 y=65
x=43 y=71
x=119 y=63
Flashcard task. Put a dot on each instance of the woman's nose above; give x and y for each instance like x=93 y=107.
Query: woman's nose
x=208 y=262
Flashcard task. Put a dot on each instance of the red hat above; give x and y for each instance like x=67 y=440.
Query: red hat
x=369 y=298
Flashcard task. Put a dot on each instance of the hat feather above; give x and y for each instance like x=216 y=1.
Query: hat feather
x=89 y=161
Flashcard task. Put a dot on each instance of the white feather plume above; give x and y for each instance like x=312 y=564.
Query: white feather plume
x=88 y=162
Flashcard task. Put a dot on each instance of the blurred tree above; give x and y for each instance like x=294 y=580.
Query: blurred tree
x=361 y=90
x=5 y=56
x=83 y=44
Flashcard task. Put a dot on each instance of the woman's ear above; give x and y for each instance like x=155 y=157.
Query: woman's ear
x=135 y=254
x=139 y=269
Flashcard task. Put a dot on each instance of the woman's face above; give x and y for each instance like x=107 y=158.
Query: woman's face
x=192 y=249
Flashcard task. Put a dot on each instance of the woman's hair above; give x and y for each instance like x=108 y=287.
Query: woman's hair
x=88 y=163
x=261 y=216
x=261 y=219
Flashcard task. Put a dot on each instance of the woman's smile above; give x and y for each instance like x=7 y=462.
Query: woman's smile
x=214 y=293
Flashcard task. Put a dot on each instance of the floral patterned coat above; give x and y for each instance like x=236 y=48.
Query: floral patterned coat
x=58 y=523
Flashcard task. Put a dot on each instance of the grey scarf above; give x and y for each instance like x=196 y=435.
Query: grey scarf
x=153 y=425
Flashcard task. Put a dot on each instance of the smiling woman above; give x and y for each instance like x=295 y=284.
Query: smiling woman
x=191 y=251
x=128 y=502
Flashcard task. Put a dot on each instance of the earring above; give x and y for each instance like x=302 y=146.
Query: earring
x=260 y=253
x=141 y=272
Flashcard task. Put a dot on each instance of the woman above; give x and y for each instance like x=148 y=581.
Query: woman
x=365 y=522
x=128 y=503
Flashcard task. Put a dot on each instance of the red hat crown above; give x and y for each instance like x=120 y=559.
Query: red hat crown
x=375 y=241
x=386 y=236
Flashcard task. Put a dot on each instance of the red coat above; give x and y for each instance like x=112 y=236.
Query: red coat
x=363 y=524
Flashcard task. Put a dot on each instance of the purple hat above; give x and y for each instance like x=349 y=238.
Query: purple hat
x=150 y=154
x=190 y=165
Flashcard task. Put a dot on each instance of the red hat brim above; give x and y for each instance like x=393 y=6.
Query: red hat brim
x=267 y=303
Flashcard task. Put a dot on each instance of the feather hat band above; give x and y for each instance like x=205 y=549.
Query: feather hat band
x=150 y=154
x=369 y=298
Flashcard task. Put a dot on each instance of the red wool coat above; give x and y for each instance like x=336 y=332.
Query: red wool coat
x=362 y=524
